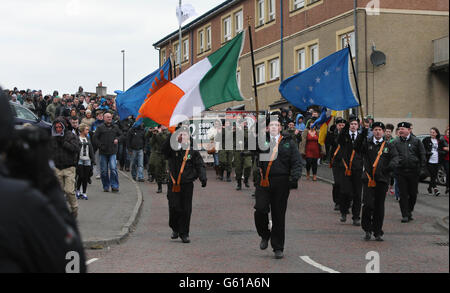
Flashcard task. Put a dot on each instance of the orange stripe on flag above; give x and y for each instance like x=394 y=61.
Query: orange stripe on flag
x=160 y=106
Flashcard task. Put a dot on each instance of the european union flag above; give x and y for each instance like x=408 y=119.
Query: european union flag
x=326 y=83
x=129 y=102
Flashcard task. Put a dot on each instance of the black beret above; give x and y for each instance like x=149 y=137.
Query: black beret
x=378 y=124
x=353 y=118
x=404 y=124
x=340 y=120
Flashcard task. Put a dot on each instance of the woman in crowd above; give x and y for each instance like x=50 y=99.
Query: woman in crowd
x=446 y=158
x=311 y=150
x=434 y=147
x=85 y=162
x=88 y=120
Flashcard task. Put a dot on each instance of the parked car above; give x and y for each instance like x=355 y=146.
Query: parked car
x=24 y=115
x=442 y=176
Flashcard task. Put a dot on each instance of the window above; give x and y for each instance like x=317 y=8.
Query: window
x=163 y=56
x=344 y=42
x=176 y=50
x=201 y=41
x=261 y=12
x=306 y=55
x=238 y=21
x=271 y=10
x=208 y=38
x=314 y=53
x=226 y=29
x=260 y=74
x=274 y=69
x=301 y=57
x=298 y=4
x=185 y=50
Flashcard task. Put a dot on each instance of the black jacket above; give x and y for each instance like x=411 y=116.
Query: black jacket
x=409 y=154
x=64 y=149
x=136 y=138
x=125 y=126
x=428 y=145
x=194 y=168
x=104 y=138
x=34 y=237
x=347 y=147
x=287 y=163
x=369 y=152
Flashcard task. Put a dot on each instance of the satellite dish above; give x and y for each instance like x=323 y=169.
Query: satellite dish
x=378 y=58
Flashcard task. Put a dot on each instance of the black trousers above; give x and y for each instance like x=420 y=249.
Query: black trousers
x=408 y=183
x=433 y=169
x=373 y=208
x=351 y=189
x=445 y=164
x=338 y=174
x=180 y=208
x=272 y=199
x=83 y=174
x=311 y=163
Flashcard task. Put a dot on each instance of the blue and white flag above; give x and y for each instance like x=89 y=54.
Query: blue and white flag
x=326 y=83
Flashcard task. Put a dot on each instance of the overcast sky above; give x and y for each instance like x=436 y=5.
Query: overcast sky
x=63 y=44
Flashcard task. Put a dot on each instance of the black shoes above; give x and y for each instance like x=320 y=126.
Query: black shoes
x=174 y=235
x=114 y=189
x=278 y=254
x=239 y=184
x=356 y=223
x=336 y=207
x=368 y=236
x=159 y=188
x=405 y=220
x=436 y=192
x=141 y=180
x=185 y=239
x=264 y=244
x=246 y=183
x=343 y=218
x=378 y=238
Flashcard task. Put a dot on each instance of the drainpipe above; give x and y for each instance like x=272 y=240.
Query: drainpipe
x=355 y=23
x=281 y=42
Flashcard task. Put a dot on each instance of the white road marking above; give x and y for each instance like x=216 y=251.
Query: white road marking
x=91 y=261
x=306 y=259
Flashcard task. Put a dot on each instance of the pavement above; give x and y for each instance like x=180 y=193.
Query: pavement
x=108 y=218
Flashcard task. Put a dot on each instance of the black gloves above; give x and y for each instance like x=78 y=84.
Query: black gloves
x=203 y=183
x=293 y=184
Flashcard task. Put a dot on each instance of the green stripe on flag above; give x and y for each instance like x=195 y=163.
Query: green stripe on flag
x=219 y=85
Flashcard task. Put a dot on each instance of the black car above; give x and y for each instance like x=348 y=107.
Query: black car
x=441 y=178
x=23 y=115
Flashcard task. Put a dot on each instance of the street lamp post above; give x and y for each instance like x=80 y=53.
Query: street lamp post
x=123 y=51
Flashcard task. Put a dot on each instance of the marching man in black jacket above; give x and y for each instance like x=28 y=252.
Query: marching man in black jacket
x=351 y=186
x=185 y=166
x=135 y=143
x=377 y=157
x=409 y=160
x=278 y=174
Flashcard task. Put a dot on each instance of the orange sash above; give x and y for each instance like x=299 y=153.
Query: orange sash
x=176 y=185
x=335 y=153
x=348 y=169
x=372 y=182
x=265 y=181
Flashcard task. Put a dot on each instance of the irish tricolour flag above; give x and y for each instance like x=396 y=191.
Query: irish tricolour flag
x=207 y=83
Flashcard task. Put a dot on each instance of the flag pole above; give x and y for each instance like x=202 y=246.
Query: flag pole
x=179 y=39
x=253 y=66
x=356 y=78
